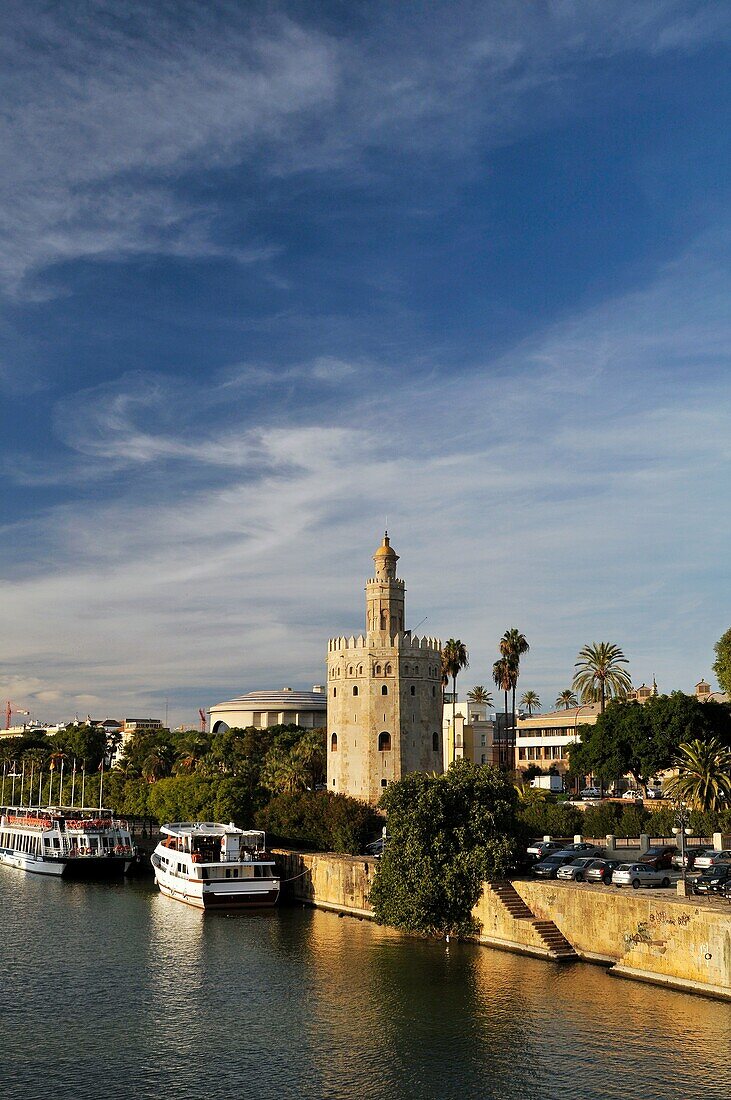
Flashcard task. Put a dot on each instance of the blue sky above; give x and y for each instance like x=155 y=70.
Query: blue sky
x=271 y=274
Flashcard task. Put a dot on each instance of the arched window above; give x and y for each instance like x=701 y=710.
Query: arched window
x=413 y=689
x=360 y=670
x=335 y=691
x=350 y=671
x=334 y=743
x=355 y=689
x=389 y=670
x=384 y=742
x=378 y=670
x=434 y=742
x=384 y=690
x=384 y=621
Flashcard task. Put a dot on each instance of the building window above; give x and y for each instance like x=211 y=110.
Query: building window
x=384 y=742
x=334 y=743
x=435 y=742
x=413 y=689
x=521 y=754
x=388 y=670
x=384 y=690
x=483 y=759
x=433 y=691
x=355 y=689
x=384 y=782
x=350 y=671
x=378 y=670
x=360 y=670
x=335 y=691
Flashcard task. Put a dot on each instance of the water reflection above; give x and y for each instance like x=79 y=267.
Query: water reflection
x=116 y=991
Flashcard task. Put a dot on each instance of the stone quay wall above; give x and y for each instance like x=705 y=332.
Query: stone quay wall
x=684 y=943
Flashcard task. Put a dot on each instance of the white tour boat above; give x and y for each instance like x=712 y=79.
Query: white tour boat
x=65 y=841
x=215 y=866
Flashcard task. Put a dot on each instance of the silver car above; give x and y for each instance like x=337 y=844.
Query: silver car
x=639 y=874
x=576 y=870
x=710 y=859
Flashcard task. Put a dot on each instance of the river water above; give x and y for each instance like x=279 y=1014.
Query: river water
x=115 y=991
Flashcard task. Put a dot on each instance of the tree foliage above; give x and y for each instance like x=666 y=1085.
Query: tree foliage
x=643 y=739
x=329 y=822
x=447 y=834
x=722 y=664
x=599 y=673
x=704 y=775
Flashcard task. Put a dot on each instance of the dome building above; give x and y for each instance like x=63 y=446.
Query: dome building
x=262 y=709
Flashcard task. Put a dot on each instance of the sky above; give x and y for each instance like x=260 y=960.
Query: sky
x=275 y=276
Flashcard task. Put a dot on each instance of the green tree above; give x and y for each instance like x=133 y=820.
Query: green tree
x=704 y=778
x=158 y=764
x=480 y=694
x=454 y=659
x=328 y=822
x=600 y=674
x=448 y=833
x=566 y=700
x=530 y=701
x=722 y=664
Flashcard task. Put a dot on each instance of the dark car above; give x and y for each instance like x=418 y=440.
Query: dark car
x=602 y=870
x=580 y=848
x=716 y=880
x=661 y=858
x=375 y=848
x=539 y=849
x=690 y=857
x=548 y=867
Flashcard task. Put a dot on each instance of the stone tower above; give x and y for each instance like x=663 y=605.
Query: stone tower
x=384 y=694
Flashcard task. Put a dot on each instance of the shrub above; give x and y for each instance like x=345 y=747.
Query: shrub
x=318 y=819
x=602 y=819
x=551 y=819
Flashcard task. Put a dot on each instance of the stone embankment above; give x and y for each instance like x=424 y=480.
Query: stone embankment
x=648 y=935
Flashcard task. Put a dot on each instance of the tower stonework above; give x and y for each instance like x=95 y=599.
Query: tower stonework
x=384 y=694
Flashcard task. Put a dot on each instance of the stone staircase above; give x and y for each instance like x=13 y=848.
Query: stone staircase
x=554 y=940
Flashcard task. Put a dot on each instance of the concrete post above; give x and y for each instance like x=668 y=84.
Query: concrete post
x=644 y=842
x=610 y=839
x=578 y=838
x=721 y=842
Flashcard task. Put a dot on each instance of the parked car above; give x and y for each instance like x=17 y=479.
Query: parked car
x=542 y=848
x=591 y=792
x=548 y=867
x=375 y=848
x=660 y=857
x=581 y=848
x=711 y=858
x=640 y=874
x=691 y=855
x=576 y=870
x=602 y=870
x=654 y=792
x=632 y=796
x=714 y=880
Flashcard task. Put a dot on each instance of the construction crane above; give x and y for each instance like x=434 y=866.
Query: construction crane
x=203 y=719
x=9 y=708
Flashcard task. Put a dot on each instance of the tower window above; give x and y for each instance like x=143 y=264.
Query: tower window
x=360 y=670
x=335 y=691
x=350 y=671
x=389 y=670
x=355 y=689
x=384 y=782
x=413 y=689
x=433 y=691
x=378 y=670
x=384 y=742
x=384 y=690
x=334 y=743
x=435 y=742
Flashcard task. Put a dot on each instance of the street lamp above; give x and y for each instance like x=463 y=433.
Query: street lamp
x=682 y=829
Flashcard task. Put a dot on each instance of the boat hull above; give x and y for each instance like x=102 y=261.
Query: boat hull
x=89 y=869
x=206 y=896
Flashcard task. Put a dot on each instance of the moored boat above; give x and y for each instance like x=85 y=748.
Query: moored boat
x=68 y=842
x=214 y=866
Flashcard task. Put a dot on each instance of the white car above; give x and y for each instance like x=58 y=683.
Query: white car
x=639 y=874
x=710 y=859
x=591 y=792
x=632 y=796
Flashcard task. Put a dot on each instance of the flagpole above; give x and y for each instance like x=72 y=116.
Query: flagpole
x=12 y=794
x=60 y=785
x=40 y=785
x=30 y=784
x=22 y=782
x=101 y=783
x=83 y=781
x=50 y=783
x=73 y=781
x=2 y=796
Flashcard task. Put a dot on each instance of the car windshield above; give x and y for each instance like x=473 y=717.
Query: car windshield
x=625 y=867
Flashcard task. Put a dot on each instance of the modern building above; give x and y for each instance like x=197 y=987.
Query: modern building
x=473 y=737
x=262 y=709
x=384 y=694
x=542 y=740
x=141 y=725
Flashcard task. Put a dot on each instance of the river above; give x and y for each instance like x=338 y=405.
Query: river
x=115 y=991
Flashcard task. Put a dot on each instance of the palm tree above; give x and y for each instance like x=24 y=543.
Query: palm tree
x=158 y=764
x=503 y=677
x=480 y=694
x=704 y=778
x=454 y=659
x=530 y=700
x=566 y=699
x=599 y=673
x=513 y=645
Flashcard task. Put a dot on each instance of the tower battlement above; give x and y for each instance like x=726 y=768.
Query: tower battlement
x=404 y=641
